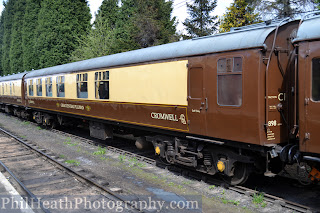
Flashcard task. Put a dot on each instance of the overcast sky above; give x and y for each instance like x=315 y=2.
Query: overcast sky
x=180 y=8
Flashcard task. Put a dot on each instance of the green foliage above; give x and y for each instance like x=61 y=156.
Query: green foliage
x=7 y=28
x=153 y=23
x=29 y=35
x=282 y=8
x=125 y=30
x=226 y=201
x=42 y=33
x=101 y=151
x=1 y=42
x=122 y=158
x=68 y=142
x=136 y=24
x=61 y=23
x=201 y=22
x=73 y=162
x=16 y=53
x=145 y=23
x=258 y=198
x=99 y=42
x=108 y=13
x=101 y=39
x=212 y=187
x=318 y=4
x=238 y=14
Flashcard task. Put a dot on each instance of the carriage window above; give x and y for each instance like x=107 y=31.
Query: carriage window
x=10 y=88
x=30 y=87
x=39 y=87
x=60 y=86
x=82 y=85
x=102 y=85
x=13 y=88
x=49 y=87
x=316 y=79
x=230 y=81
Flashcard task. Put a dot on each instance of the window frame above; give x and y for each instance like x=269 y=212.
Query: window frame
x=101 y=76
x=13 y=88
x=10 y=87
x=82 y=79
x=30 y=86
x=60 y=80
x=312 y=82
x=39 y=87
x=50 y=83
x=230 y=73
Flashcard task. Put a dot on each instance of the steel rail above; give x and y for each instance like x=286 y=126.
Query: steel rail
x=101 y=187
x=273 y=199
x=24 y=187
x=240 y=189
x=110 y=148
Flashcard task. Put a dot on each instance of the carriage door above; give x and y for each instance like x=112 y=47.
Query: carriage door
x=23 y=90
x=197 y=103
x=312 y=103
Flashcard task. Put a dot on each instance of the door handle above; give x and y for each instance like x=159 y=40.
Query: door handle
x=306 y=101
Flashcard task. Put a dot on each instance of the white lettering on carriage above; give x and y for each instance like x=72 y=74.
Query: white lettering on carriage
x=168 y=117
x=71 y=106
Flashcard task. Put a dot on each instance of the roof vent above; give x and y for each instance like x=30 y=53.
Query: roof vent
x=268 y=22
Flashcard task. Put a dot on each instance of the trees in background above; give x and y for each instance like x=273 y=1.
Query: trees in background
x=239 y=14
x=201 y=21
x=145 y=23
x=152 y=23
x=30 y=35
x=7 y=16
x=99 y=42
x=16 y=52
x=318 y=4
x=132 y=25
x=282 y=8
x=1 y=41
x=101 y=39
x=60 y=24
x=40 y=33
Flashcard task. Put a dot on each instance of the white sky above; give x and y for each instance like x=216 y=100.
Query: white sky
x=180 y=9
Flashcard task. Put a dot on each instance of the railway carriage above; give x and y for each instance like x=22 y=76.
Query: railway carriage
x=229 y=104
x=10 y=93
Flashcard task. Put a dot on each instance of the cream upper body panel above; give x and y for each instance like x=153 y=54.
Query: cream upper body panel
x=160 y=83
x=11 y=88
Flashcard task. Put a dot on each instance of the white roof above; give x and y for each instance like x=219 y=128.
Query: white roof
x=309 y=29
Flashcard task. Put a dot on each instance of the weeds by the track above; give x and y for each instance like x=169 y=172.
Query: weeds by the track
x=73 y=162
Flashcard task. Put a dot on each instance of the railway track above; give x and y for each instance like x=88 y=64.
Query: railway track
x=296 y=207
x=42 y=179
x=143 y=156
x=151 y=161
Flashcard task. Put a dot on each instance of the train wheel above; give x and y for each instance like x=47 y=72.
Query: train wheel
x=241 y=174
x=53 y=125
